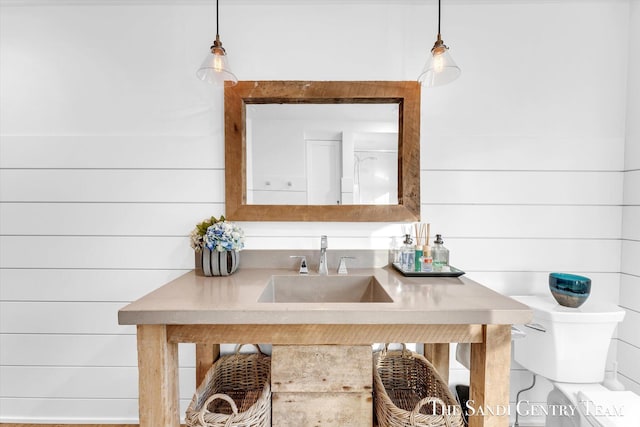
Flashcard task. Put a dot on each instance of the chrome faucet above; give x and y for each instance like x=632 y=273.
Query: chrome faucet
x=322 y=266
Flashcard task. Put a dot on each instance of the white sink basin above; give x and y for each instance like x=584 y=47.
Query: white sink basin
x=332 y=289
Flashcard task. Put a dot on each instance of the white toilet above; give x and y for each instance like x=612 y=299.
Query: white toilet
x=569 y=346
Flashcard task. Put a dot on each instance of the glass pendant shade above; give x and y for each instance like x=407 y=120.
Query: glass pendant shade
x=440 y=68
x=215 y=67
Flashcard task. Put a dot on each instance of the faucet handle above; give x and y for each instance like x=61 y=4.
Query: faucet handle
x=303 y=263
x=342 y=266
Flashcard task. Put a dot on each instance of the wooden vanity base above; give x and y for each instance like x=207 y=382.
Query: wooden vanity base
x=325 y=385
x=158 y=366
x=322 y=409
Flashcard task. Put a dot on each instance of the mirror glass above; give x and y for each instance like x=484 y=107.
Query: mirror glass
x=322 y=154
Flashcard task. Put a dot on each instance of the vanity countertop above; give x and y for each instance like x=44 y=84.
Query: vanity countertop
x=193 y=299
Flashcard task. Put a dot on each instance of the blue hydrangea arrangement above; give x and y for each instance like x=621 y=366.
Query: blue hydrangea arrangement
x=217 y=235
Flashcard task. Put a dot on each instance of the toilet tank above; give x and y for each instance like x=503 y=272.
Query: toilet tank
x=567 y=344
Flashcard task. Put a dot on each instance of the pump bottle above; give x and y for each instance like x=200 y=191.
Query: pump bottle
x=408 y=254
x=440 y=255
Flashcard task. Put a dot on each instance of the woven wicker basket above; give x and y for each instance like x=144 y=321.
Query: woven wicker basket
x=410 y=392
x=235 y=392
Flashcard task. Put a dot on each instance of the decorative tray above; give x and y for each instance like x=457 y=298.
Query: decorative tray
x=453 y=273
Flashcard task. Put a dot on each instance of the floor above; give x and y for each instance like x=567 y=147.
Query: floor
x=101 y=425
x=68 y=425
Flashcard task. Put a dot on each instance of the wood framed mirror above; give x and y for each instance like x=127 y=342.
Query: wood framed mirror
x=245 y=187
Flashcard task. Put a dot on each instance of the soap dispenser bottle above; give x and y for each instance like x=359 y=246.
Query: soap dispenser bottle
x=440 y=255
x=408 y=254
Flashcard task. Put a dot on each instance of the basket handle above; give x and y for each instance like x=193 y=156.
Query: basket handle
x=211 y=398
x=404 y=349
x=239 y=346
x=425 y=401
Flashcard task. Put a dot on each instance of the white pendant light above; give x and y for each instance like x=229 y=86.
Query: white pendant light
x=215 y=67
x=440 y=68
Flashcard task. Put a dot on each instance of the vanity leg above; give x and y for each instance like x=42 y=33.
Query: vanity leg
x=158 y=397
x=438 y=355
x=490 y=369
x=206 y=354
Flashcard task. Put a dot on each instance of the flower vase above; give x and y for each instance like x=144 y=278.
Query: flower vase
x=214 y=263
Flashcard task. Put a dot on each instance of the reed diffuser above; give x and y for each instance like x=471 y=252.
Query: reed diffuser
x=423 y=262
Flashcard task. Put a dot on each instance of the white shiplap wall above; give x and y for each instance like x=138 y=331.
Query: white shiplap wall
x=111 y=151
x=629 y=331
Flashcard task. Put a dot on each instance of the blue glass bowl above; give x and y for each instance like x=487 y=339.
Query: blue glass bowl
x=570 y=290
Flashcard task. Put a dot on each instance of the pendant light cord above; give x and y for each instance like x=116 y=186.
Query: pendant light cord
x=218 y=20
x=438 y=17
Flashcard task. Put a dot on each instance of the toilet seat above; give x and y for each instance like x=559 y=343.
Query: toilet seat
x=600 y=407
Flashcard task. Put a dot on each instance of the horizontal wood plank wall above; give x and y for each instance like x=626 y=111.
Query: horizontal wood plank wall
x=105 y=168
x=629 y=331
